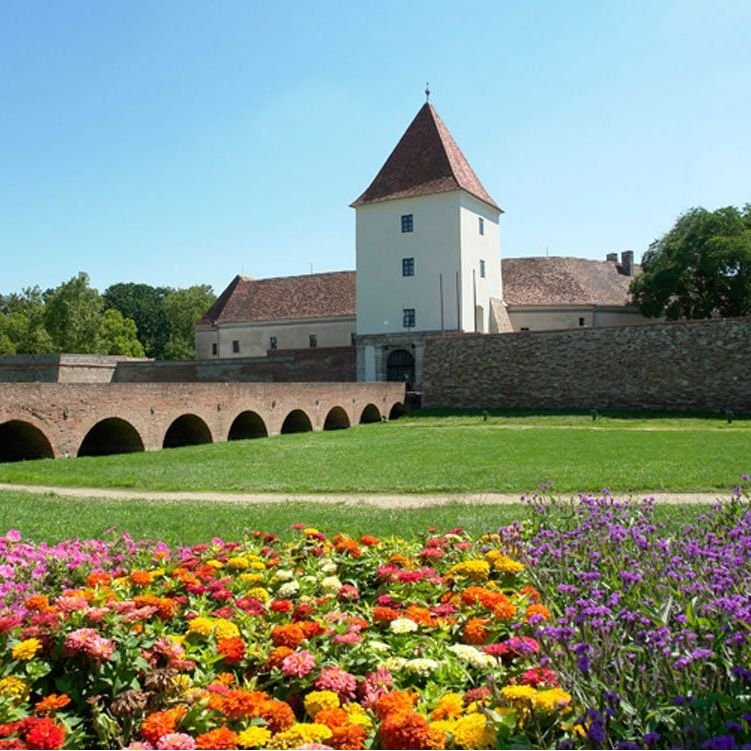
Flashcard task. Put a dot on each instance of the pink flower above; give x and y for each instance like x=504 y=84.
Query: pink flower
x=298 y=664
x=176 y=740
x=337 y=680
x=87 y=641
x=351 y=637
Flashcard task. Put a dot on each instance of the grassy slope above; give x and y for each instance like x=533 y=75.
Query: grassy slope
x=44 y=517
x=432 y=454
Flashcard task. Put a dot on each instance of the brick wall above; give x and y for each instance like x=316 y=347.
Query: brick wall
x=682 y=365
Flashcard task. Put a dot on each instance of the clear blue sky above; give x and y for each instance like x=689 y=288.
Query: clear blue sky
x=178 y=143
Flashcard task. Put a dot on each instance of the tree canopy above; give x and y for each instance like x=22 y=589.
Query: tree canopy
x=700 y=268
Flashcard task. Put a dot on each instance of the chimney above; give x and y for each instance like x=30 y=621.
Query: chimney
x=612 y=257
x=627 y=262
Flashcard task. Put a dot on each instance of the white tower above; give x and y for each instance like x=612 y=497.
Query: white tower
x=428 y=252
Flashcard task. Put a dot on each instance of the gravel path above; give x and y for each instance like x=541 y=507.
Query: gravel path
x=378 y=500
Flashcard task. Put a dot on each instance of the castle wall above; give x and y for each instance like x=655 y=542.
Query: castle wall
x=681 y=365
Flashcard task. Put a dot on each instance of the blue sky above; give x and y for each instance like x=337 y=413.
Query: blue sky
x=178 y=143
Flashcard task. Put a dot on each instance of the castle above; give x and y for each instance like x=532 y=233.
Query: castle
x=428 y=263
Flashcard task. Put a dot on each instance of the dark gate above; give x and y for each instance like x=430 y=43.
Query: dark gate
x=400 y=366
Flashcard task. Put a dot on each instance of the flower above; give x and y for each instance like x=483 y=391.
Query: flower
x=26 y=650
x=317 y=701
x=298 y=664
x=217 y=738
x=402 y=626
x=14 y=688
x=475 y=569
x=52 y=703
x=254 y=736
x=43 y=732
x=404 y=730
x=473 y=731
x=551 y=699
x=449 y=707
x=337 y=680
x=176 y=741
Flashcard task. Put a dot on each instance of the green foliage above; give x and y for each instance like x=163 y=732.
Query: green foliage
x=184 y=308
x=145 y=305
x=118 y=336
x=700 y=268
x=72 y=316
x=22 y=327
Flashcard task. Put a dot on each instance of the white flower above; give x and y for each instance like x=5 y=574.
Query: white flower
x=402 y=625
x=327 y=566
x=379 y=646
x=331 y=584
x=289 y=589
x=421 y=666
x=394 y=664
x=283 y=575
x=473 y=657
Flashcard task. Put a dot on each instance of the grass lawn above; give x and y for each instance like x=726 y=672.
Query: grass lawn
x=429 y=454
x=52 y=519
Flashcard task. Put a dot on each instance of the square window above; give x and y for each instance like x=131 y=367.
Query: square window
x=352 y=339
x=235 y=345
x=408 y=224
x=272 y=342
x=482 y=269
x=214 y=348
x=408 y=266
x=409 y=318
x=313 y=339
x=481 y=225
x=581 y=322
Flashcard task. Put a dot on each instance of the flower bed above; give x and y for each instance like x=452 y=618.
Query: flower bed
x=639 y=640
x=324 y=642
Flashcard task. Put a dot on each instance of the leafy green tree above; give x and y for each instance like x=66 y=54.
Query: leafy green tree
x=145 y=305
x=22 y=323
x=184 y=308
x=118 y=335
x=700 y=268
x=72 y=316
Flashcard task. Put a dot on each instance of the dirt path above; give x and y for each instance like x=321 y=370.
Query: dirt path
x=378 y=500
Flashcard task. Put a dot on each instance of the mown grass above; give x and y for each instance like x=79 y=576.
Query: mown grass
x=450 y=454
x=44 y=517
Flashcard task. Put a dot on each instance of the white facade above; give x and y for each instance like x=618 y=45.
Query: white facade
x=446 y=248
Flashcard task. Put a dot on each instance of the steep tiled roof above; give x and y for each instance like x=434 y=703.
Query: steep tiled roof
x=564 y=281
x=426 y=160
x=284 y=298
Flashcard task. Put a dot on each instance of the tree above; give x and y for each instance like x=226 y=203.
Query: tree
x=700 y=268
x=72 y=316
x=184 y=308
x=118 y=335
x=22 y=323
x=145 y=305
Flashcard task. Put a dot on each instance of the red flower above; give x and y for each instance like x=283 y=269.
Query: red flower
x=43 y=732
x=232 y=649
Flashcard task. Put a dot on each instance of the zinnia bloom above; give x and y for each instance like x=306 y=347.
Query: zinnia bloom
x=405 y=730
x=298 y=664
x=217 y=738
x=43 y=732
x=176 y=741
x=26 y=650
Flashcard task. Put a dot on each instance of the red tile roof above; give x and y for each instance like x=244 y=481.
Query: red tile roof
x=284 y=298
x=564 y=281
x=426 y=160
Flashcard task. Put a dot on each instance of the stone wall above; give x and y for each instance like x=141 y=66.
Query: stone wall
x=61 y=368
x=681 y=365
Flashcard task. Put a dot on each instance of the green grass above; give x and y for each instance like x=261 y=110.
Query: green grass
x=52 y=519
x=453 y=454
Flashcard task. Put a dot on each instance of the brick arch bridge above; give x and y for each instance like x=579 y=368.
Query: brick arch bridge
x=46 y=420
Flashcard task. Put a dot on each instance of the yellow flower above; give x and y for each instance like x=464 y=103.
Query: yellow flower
x=202 y=625
x=315 y=701
x=475 y=569
x=258 y=565
x=552 y=700
x=519 y=694
x=449 y=706
x=215 y=564
x=26 y=650
x=238 y=562
x=308 y=531
x=247 y=578
x=474 y=731
x=438 y=731
x=253 y=737
x=258 y=593
x=300 y=734
x=357 y=716
x=225 y=629
x=182 y=683
x=507 y=565
x=14 y=688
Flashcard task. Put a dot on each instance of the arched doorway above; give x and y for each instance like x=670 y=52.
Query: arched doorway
x=371 y=413
x=187 y=430
x=247 y=425
x=296 y=422
x=111 y=436
x=21 y=440
x=336 y=419
x=400 y=366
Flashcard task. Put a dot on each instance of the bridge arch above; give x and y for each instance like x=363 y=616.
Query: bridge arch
x=371 y=413
x=397 y=410
x=20 y=440
x=296 y=421
x=187 y=430
x=336 y=419
x=113 y=435
x=247 y=424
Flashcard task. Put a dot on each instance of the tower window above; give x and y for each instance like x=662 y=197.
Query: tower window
x=408 y=223
x=581 y=322
x=481 y=225
x=313 y=340
x=235 y=345
x=273 y=344
x=482 y=269
x=214 y=348
x=409 y=318
x=408 y=266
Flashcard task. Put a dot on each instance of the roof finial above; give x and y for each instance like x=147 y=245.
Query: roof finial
x=427 y=92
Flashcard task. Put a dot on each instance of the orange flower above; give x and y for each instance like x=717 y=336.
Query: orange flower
x=158 y=724
x=217 y=738
x=476 y=631
x=166 y=607
x=405 y=730
x=288 y=635
x=278 y=715
x=98 y=578
x=242 y=703
x=52 y=703
x=538 y=609
x=348 y=737
x=141 y=578
x=343 y=544
x=482 y=596
x=232 y=649
x=332 y=717
x=505 y=611
x=420 y=615
x=531 y=592
x=383 y=614
x=276 y=658
x=395 y=702
x=369 y=540
x=40 y=603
